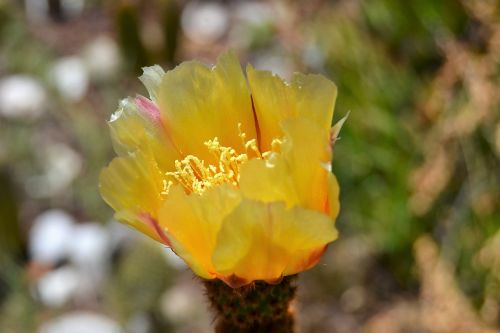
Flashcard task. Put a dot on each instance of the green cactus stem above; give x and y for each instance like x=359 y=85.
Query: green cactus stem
x=258 y=307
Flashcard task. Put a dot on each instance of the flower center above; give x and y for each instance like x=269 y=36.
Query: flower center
x=196 y=176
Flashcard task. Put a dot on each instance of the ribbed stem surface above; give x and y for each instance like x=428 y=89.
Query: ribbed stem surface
x=258 y=308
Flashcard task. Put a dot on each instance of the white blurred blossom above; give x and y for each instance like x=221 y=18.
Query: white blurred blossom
x=86 y=248
x=90 y=246
x=90 y=252
x=56 y=288
x=50 y=236
x=182 y=303
x=61 y=165
x=204 y=23
x=21 y=96
x=102 y=58
x=81 y=322
x=70 y=76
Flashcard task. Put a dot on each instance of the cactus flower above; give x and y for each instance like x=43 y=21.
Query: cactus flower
x=232 y=172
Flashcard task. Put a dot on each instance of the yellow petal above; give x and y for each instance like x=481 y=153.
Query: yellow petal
x=309 y=96
x=127 y=128
x=297 y=176
x=132 y=186
x=268 y=182
x=333 y=207
x=132 y=130
x=151 y=78
x=193 y=221
x=259 y=241
x=307 y=153
x=199 y=104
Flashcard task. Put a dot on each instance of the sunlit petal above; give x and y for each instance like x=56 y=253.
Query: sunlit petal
x=132 y=186
x=236 y=180
x=193 y=221
x=308 y=96
x=259 y=241
x=297 y=175
x=151 y=78
x=199 y=104
x=132 y=129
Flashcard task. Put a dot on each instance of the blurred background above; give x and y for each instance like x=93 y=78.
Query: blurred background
x=418 y=160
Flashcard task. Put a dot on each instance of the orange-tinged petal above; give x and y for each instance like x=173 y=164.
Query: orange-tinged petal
x=264 y=241
x=193 y=221
x=310 y=96
x=200 y=104
x=132 y=186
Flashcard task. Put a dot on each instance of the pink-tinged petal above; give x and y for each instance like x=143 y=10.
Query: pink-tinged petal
x=155 y=226
x=132 y=185
x=149 y=109
x=133 y=130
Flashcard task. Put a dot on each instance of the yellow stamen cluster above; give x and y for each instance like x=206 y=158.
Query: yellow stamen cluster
x=196 y=176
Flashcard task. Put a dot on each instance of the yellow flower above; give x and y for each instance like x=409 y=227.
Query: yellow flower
x=232 y=173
